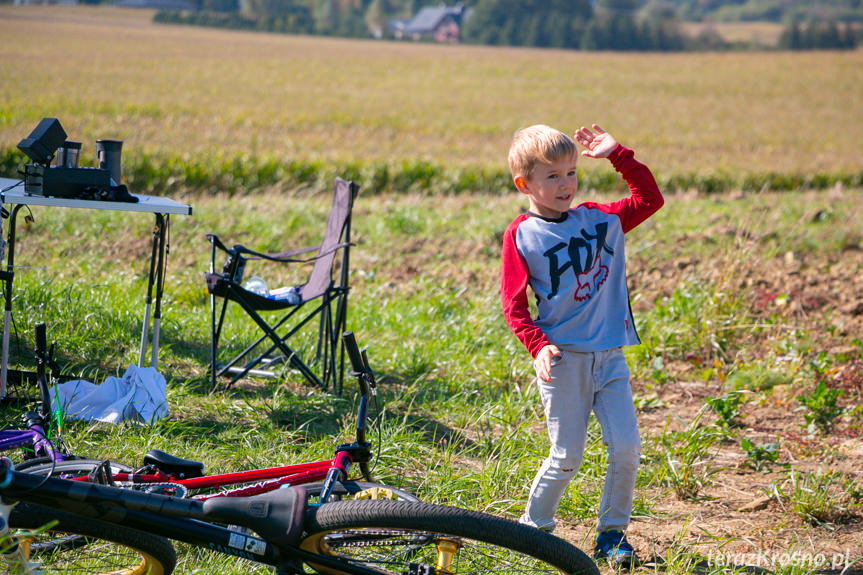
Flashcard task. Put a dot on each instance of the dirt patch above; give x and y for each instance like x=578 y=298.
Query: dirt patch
x=744 y=516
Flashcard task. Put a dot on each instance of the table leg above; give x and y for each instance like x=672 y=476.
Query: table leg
x=156 y=278
x=7 y=276
x=164 y=226
x=148 y=296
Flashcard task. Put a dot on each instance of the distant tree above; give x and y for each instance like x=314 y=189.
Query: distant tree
x=376 y=17
x=259 y=9
x=325 y=14
x=772 y=10
x=349 y=19
x=618 y=7
x=661 y=10
x=707 y=39
x=791 y=37
x=533 y=32
x=524 y=22
x=849 y=37
x=220 y=5
x=509 y=35
x=826 y=36
x=485 y=23
x=817 y=36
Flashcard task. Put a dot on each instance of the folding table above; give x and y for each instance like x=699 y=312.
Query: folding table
x=12 y=193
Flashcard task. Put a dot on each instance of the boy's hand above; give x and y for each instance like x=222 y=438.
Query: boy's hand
x=543 y=361
x=598 y=145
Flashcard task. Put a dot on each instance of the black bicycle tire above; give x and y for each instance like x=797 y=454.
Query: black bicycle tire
x=155 y=552
x=420 y=519
x=76 y=466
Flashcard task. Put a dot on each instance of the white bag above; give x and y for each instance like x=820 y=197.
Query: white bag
x=140 y=395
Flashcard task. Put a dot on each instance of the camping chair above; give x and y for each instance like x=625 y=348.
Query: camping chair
x=320 y=297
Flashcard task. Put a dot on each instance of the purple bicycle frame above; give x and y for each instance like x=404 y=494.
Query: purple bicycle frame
x=34 y=437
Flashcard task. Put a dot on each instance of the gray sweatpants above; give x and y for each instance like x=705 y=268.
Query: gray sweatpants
x=581 y=382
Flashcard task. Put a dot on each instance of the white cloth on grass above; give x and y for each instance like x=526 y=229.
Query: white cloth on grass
x=140 y=395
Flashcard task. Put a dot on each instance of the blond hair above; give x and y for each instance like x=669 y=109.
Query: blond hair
x=538 y=143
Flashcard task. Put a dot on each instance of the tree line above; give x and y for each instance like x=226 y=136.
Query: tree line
x=818 y=36
x=623 y=25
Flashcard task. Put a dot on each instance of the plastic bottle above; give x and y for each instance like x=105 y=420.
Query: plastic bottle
x=291 y=295
x=256 y=285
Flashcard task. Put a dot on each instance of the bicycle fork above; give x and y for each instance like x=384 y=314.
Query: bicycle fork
x=341 y=467
x=346 y=455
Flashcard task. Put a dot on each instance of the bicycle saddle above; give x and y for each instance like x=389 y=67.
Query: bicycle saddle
x=173 y=465
x=276 y=516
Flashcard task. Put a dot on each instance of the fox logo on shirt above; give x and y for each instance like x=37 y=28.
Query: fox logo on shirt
x=585 y=261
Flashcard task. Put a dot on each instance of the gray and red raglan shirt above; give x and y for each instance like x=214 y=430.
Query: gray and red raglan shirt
x=576 y=268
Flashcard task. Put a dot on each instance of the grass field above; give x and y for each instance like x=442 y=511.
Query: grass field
x=745 y=302
x=203 y=94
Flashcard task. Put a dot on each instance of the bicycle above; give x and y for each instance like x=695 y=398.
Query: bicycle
x=171 y=475
x=292 y=534
x=35 y=437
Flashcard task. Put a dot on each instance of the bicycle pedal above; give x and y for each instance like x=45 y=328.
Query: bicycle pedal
x=376 y=493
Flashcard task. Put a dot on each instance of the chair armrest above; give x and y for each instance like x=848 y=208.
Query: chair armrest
x=284 y=257
x=279 y=257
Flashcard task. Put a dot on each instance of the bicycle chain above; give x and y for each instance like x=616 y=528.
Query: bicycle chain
x=389 y=533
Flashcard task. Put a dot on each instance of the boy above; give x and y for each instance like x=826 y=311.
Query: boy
x=573 y=261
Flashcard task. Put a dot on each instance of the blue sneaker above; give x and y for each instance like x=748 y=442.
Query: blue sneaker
x=612 y=546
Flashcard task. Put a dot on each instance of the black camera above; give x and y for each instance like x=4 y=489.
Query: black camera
x=65 y=179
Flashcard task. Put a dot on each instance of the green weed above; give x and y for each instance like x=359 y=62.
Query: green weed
x=822 y=497
x=821 y=407
x=759 y=456
x=700 y=319
x=685 y=457
x=727 y=408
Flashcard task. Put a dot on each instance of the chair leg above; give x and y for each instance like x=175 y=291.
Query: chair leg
x=278 y=342
x=214 y=343
x=230 y=365
x=215 y=336
x=340 y=327
x=329 y=353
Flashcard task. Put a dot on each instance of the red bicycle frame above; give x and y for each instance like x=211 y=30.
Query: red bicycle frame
x=261 y=480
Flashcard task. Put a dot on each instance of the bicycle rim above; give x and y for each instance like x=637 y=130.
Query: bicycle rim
x=393 y=537
x=86 y=555
x=74 y=544
x=361 y=490
x=74 y=466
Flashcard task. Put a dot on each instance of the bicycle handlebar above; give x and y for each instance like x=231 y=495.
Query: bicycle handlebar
x=365 y=378
x=353 y=350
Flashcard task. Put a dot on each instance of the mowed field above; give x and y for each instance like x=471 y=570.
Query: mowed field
x=199 y=93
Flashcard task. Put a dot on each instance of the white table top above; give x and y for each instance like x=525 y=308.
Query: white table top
x=152 y=204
